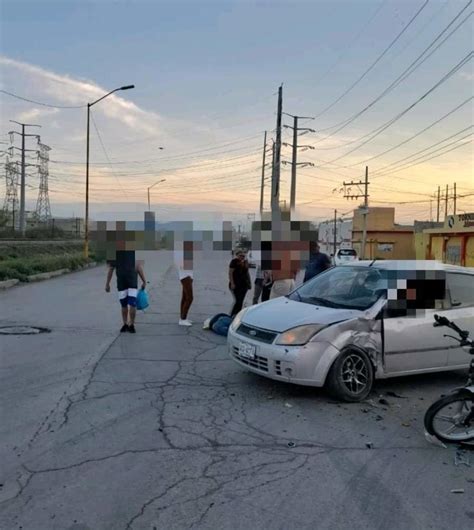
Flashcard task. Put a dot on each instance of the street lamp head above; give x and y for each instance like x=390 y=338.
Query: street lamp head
x=128 y=87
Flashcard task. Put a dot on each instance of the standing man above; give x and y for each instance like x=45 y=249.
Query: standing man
x=127 y=270
x=239 y=280
x=318 y=262
x=184 y=264
x=258 y=285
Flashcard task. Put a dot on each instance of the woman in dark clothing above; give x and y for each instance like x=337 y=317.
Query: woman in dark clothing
x=239 y=281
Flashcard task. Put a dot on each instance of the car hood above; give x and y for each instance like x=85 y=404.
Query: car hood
x=281 y=314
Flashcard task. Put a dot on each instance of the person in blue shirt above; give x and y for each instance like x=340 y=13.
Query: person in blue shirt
x=318 y=262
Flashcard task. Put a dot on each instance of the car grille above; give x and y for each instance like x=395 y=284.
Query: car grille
x=258 y=362
x=260 y=335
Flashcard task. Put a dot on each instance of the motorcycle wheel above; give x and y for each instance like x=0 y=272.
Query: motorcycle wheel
x=451 y=418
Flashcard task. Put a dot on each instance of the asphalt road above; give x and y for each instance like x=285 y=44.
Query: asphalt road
x=161 y=430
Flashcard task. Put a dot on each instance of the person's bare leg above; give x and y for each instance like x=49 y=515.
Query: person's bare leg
x=132 y=312
x=125 y=315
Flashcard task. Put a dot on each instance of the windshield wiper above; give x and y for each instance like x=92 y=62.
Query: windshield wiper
x=321 y=301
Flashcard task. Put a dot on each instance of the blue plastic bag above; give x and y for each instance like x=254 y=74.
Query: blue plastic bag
x=142 y=299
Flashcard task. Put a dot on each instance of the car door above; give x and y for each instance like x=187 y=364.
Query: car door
x=461 y=292
x=411 y=343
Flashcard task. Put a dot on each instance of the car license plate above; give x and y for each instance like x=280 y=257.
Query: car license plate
x=247 y=350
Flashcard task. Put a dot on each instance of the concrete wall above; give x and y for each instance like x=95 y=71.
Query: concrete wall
x=386 y=244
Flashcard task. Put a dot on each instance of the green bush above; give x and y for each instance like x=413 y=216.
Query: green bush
x=21 y=268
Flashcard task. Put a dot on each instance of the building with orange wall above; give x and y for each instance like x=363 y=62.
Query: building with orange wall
x=454 y=242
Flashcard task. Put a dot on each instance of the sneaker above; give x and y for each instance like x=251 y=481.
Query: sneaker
x=124 y=328
x=131 y=328
x=184 y=322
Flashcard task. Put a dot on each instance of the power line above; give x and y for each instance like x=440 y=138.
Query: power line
x=42 y=104
x=104 y=150
x=351 y=43
x=402 y=77
x=379 y=58
x=414 y=136
x=381 y=170
x=376 y=132
x=431 y=157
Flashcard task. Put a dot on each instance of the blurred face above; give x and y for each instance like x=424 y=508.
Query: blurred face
x=241 y=256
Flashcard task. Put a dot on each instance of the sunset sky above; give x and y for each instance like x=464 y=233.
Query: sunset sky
x=206 y=77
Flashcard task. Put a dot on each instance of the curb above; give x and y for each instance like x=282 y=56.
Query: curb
x=46 y=275
x=6 y=284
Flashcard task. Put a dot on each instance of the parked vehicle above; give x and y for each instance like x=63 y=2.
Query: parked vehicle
x=251 y=261
x=337 y=330
x=345 y=255
x=451 y=418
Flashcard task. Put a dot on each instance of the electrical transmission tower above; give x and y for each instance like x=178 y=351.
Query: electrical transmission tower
x=43 y=207
x=11 y=204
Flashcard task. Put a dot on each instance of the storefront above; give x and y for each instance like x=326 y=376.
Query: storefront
x=454 y=243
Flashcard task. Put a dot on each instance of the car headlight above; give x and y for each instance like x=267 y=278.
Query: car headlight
x=298 y=336
x=238 y=319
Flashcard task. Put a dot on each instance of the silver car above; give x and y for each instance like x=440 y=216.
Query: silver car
x=356 y=323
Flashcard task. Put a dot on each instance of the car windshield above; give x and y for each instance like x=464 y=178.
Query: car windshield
x=343 y=287
x=347 y=252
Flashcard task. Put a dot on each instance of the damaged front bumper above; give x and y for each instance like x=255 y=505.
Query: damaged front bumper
x=304 y=365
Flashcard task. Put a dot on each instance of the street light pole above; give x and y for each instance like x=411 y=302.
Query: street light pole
x=86 y=221
x=148 y=191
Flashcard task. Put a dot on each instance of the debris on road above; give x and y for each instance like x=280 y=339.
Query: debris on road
x=289 y=405
x=291 y=444
x=462 y=457
x=369 y=445
x=395 y=395
x=459 y=490
x=383 y=401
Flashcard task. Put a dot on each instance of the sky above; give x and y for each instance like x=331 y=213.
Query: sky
x=206 y=78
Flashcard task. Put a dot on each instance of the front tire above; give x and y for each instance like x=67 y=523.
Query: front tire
x=451 y=419
x=351 y=376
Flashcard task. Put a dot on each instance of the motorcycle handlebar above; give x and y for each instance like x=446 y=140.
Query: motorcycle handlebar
x=443 y=321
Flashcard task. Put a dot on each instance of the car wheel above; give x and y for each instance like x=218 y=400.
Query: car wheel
x=351 y=376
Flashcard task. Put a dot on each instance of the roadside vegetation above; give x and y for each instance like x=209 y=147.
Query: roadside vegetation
x=22 y=259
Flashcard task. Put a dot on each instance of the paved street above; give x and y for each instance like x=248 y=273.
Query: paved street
x=161 y=430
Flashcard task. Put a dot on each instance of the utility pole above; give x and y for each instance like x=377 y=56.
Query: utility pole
x=455 y=198
x=293 y=164
x=335 y=232
x=273 y=190
x=295 y=147
x=365 y=208
x=446 y=203
x=275 y=201
x=23 y=172
x=262 y=185
x=439 y=199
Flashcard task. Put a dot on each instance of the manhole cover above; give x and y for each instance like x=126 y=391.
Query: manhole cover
x=22 y=330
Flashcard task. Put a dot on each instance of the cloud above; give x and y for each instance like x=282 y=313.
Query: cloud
x=469 y=76
x=65 y=90
x=35 y=113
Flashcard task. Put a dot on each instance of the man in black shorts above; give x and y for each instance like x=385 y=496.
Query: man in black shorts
x=127 y=270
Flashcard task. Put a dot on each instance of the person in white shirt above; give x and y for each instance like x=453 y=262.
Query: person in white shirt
x=184 y=264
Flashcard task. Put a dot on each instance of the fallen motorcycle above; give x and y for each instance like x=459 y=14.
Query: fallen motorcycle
x=451 y=418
